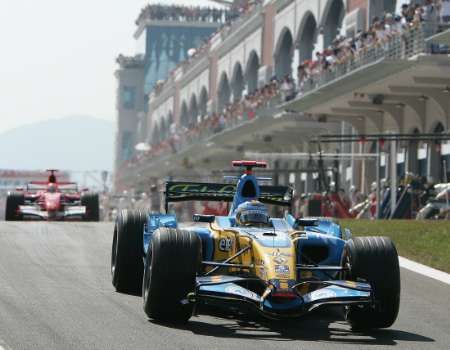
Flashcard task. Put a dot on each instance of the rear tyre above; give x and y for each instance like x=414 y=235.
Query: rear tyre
x=13 y=201
x=91 y=202
x=172 y=262
x=127 y=265
x=374 y=260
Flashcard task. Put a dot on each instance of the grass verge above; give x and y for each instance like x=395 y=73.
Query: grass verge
x=426 y=242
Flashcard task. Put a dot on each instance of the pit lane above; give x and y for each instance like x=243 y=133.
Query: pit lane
x=55 y=293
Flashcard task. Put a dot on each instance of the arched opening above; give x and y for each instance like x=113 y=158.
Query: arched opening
x=307 y=37
x=156 y=136
x=390 y=6
x=224 y=92
x=333 y=17
x=171 y=127
x=163 y=129
x=203 y=103
x=170 y=118
x=237 y=82
x=251 y=73
x=184 y=115
x=379 y=8
x=435 y=164
x=193 y=111
x=283 y=54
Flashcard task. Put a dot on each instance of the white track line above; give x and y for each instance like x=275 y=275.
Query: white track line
x=424 y=270
x=3 y=345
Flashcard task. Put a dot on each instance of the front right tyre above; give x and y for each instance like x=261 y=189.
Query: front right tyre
x=127 y=253
x=373 y=260
x=13 y=201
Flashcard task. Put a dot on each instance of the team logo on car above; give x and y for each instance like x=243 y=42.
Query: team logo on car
x=280 y=260
x=225 y=244
x=282 y=270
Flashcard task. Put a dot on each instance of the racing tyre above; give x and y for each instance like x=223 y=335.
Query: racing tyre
x=127 y=255
x=13 y=201
x=375 y=261
x=172 y=262
x=90 y=201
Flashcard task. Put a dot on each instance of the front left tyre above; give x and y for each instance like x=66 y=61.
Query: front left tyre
x=172 y=262
x=13 y=201
x=91 y=203
x=127 y=254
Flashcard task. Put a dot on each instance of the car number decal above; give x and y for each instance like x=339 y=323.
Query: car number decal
x=225 y=244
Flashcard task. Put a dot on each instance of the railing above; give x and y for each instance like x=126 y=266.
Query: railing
x=399 y=47
x=236 y=25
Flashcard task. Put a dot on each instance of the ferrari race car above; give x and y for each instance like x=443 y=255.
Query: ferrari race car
x=52 y=200
x=250 y=262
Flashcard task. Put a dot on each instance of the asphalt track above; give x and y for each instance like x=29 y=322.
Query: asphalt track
x=55 y=293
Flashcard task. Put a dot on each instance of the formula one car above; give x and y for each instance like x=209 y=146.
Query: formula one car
x=51 y=200
x=250 y=262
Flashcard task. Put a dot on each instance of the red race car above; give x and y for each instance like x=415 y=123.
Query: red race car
x=52 y=200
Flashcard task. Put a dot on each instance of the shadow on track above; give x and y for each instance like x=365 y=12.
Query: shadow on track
x=319 y=326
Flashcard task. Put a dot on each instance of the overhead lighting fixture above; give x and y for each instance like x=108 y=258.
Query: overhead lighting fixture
x=446 y=90
x=422 y=98
x=400 y=105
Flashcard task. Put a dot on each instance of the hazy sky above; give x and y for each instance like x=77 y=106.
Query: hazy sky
x=57 y=57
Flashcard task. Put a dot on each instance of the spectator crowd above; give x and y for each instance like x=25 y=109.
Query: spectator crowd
x=384 y=32
x=161 y=12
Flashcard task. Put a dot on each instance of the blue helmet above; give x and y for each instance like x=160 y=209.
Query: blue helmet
x=252 y=213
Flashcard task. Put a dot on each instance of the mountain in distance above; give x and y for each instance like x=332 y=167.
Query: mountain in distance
x=71 y=143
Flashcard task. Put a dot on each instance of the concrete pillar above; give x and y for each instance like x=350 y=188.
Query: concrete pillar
x=434 y=166
x=357 y=170
x=309 y=184
x=213 y=78
x=295 y=62
x=370 y=170
x=393 y=174
x=265 y=72
x=176 y=104
x=268 y=37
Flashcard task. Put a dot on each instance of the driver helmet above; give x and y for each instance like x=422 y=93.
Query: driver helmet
x=51 y=188
x=252 y=213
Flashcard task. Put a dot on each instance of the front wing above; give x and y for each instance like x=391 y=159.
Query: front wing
x=223 y=290
x=35 y=213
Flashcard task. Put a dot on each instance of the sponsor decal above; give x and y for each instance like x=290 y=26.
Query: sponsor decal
x=280 y=260
x=278 y=253
x=179 y=190
x=324 y=293
x=225 y=244
x=351 y=284
x=282 y=270
x=235 y=289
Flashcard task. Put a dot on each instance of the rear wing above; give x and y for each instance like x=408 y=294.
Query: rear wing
x=42 y=186
x=45 y=183
x=215 y=192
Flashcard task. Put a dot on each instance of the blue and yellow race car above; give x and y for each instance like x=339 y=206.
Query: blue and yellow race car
x=251 y=262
